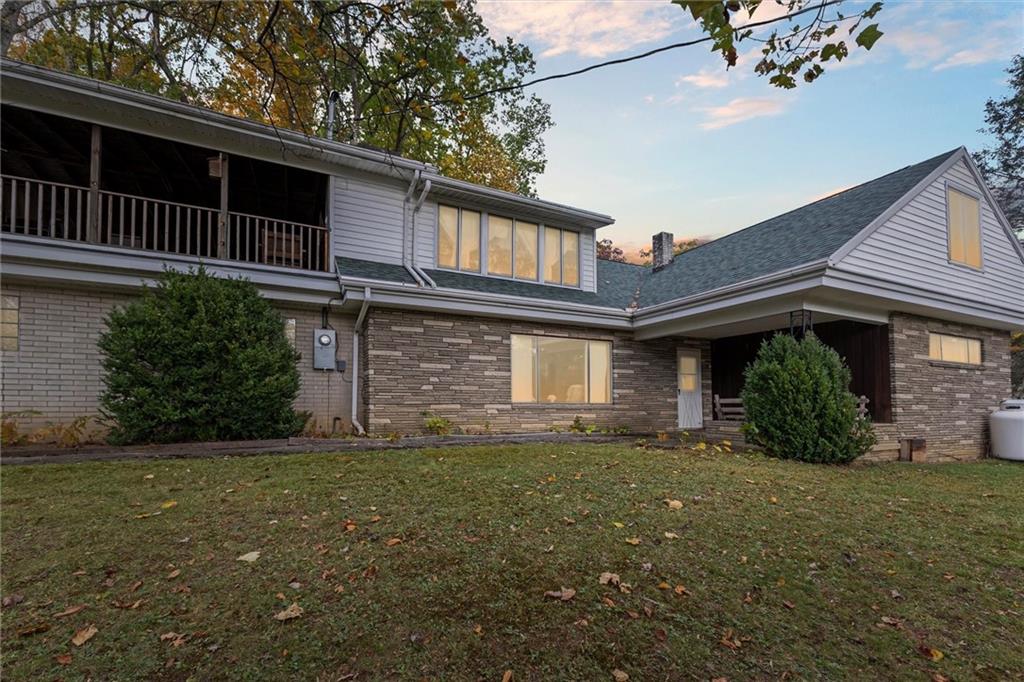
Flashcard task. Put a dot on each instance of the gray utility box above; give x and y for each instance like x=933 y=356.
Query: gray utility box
x=325 y=347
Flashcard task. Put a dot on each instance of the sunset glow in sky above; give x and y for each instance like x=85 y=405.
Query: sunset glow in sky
x=675 y=142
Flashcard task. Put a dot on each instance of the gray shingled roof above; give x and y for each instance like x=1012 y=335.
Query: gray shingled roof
x=617 y=282
x=801 y=236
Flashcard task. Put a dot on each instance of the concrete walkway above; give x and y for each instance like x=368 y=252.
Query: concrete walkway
x=48 y=454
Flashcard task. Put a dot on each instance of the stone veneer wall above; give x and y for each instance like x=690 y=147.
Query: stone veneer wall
x=56 y=370
x=459 y=367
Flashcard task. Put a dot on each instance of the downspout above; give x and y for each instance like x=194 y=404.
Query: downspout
x=415 y=210
x=405 y=230
x=355 y=363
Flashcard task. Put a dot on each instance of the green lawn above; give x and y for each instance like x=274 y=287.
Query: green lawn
x=865 y=572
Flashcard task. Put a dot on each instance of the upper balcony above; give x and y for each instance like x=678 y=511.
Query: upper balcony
x=71 y=180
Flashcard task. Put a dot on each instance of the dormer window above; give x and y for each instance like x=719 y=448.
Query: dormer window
x=458 y=239
x=963 y=213
x=561 y=257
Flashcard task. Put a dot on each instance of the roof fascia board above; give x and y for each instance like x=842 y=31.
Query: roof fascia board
x=738 y=312
x=460 y=302
x=844 y=250
x=980 y=312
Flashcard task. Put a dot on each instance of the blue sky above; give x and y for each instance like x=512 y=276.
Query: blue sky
x=676 y=143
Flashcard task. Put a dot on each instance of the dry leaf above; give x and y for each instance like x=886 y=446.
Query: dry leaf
x=931 y=653
x=773 y=500
x=617 y=524
x=789 y=605
x=340 y=588
x=393 y=541
x=169 y=636
x=293 y=611
x=619 y=675
x=375 y=518
x=70 y=611
x=633 y=541
x=660 y=635
x=625 y=588
x=11 y=600
x=33 y=629
x=681 y=591
x=136 y=585
x=63 y=659
x=729 y=640
x=148 y=477
x=671 y=536
x=84 y=635
x=174 y=574
x=169 y=504
x=664 y=586
x=608 y=579
x=507 y=677
x=674 y=504
x=146 y=516
x=249 y=557
x=478 y=629
x=564 y=594
x=607 y=601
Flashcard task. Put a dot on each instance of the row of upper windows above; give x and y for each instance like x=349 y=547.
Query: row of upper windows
x=514 y=248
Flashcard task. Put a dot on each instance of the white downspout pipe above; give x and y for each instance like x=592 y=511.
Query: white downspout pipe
x=415 y=210
x=355 y=362
x=405 y=230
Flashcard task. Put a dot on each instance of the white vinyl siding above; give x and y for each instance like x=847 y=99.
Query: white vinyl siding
x=558 y=370
x=911 y=248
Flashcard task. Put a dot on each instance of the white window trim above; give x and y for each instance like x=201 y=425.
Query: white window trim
x=973 y=194
x=537 y=402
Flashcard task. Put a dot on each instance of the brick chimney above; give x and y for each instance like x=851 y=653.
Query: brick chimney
x=661 y=250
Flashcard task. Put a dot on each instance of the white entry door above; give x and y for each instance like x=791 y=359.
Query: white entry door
x=691 y=410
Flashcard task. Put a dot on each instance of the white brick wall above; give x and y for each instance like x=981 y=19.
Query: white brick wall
x=56 y=370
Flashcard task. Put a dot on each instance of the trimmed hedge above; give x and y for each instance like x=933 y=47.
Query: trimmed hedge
x=798 y=404
x=198 y=358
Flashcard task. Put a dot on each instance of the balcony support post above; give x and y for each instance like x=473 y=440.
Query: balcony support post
x=222 y=221
x=92 y=224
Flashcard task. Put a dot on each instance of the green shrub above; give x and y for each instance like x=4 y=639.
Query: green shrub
x=198 y=358
x=439 y=426
x=798 y=404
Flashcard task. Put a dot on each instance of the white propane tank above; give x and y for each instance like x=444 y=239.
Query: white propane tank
x=1008 y=430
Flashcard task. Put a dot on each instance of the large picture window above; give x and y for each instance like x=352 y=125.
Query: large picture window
x=458 y=239
x=548 y=369
x=964 y=215
x=954 y=349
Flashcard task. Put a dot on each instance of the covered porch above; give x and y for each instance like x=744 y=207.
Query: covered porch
x=77 y=181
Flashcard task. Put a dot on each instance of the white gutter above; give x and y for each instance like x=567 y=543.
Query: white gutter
x=415 y=210
x=355 y=362
x=405 y=231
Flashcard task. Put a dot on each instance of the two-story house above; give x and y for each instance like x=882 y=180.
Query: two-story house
x=437 y=296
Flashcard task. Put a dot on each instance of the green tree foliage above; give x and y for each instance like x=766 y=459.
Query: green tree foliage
x=1002 y=163
x=405 y=71
x=1017 y=364
x=798 y=404
x=802 y=47
x=198 y=358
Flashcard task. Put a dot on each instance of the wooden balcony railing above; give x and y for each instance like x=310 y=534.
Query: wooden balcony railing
x=60 y=211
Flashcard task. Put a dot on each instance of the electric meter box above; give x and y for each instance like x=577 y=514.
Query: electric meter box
x=325 y=346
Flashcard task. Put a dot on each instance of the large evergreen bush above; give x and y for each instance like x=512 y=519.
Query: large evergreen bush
x=798 y=404
x=198 y=358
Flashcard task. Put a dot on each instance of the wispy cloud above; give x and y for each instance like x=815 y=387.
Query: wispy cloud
x=705 y=78
x=949 y=43
x=587 y=29
x=739 y=110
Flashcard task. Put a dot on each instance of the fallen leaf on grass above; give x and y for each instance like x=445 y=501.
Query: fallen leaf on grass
x=478 y=629
x=887 y=620
x=660 y=635
x=664 y=586
x=789 y=605
x=33 y=629
x=70 y=611
x=340 y=588
x=393 y=541
x=11 y=600
x=618 y=524
x=773 y=500
x=128 y=605
x=619 y=675
x=293 y=611
x=249 y=557
x=607 y=601
x=375 y=518
x=167 y=636
x=84 y=635
x=147 y=515
x=136 y=585
x=671 y=536
x=929 y=652
x=608 y=578
x=148 y=477
x=350 y=525
x=633 y=541
x=63 y=659
x=563 y=594
x=674 y=504
x=174 y=574
x=682 y=591
x=729 y=640
x=507 y=677
x=169 y=504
